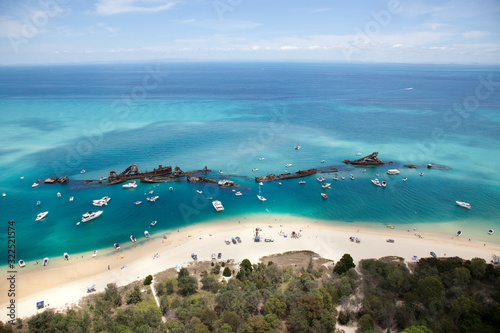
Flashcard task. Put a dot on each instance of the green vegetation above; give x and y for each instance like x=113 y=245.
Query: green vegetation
x=386 y=295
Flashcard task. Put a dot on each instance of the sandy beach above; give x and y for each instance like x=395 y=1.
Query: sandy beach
x=62 y=283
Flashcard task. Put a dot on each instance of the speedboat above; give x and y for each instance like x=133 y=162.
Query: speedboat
x=83 y=171
x=322 y=161
x=152 y=224
x=38 y=203
x=335 y=178
x=321 y=179
x=218 y=205
x=405 y=179
x=116 y=246
x=130 y=185
x=464 y=204
x=459 y=233
x=103 y=178
x=326 y=185
x=138 y=202
x=66 y=256
x=153 y=199
x=58 y=194
x=421 y=174
x=133 y=239
x=261 y=158
x=255 y=169
x=376 y=182
x=21 y=263
x=99 y=203
x=41 y=216
x=71 y=199
x=357 y=154
x=199 y=191
x=261 y=183
x=170 y=188
x=491 y=231
x=94 y=254
x=45 y=261
x=302 y=182
x=91 y=215
x=35 y=185
x=297 y=147
x=393 y=172
x=261 y=198
x=106 y=198
x=352 y=177
x=151 y=192
x=146 y=234
x=288 y=165
x=238 y=193
x=384 y=183
x=324 y=196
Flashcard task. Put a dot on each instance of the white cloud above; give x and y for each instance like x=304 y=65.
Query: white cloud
x=289 y=48
x=111 y=7
x=256 y=47
x=475 y=34
x=225 y=25
x=433 y=25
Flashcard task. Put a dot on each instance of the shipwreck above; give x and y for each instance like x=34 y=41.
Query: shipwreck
x=367 y=160
x=287 y=175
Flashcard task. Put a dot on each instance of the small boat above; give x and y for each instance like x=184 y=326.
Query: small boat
x=491 y=231
x=364 y=170
x=35 y=185
x=133 y=239
x=297 y=147
x=41 y=216
x=220 y=171
x=137 y=202
x=170 y=188
x=261 y=158
x=152 y=199
x=99 y=203
x=91 y=215
x=343 y=177
x=326 y=185
x=4 y=194
x=106 y=198
x=433 y=254
x=38 y=203
x=357 y=154
x=324 y=196
x=66 y=256
x=199 y=191
x=393 y=172
x=405 y=179
x=94 y=254
x=238 y=193
x=279 y=183
x=459 y=233
x=288 y=165
x=103 y=178
x=83 y=171
x=45 y=261
x=321 y=179
x=335 y=178
x=384 y=183
x=421 y=174
x=302 y=182
x=261 y=198
x=218 y=205
x=322 y=161
x=464 y=204
x=151 y=192
x=255 y=169
x=152 y=224
x=390 y=240
x=71 y=199
x=376 y=182
x=429 y=166
x=21 y=263
x=146 y=234
x=116 y=246
x=352 y=177
x=130 y=185
x=58 y=194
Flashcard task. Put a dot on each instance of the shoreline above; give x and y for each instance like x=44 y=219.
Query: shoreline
x=62 y=283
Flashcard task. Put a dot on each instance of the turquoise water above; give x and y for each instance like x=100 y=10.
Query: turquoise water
x=58 y=120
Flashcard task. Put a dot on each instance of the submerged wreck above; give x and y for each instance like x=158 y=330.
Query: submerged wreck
x=367 y=160
x=132 y=172
x=287 y=175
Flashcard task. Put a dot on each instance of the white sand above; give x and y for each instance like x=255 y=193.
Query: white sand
x=63 y=283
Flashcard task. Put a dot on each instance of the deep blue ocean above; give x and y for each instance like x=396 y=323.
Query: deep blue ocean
x=59 y=120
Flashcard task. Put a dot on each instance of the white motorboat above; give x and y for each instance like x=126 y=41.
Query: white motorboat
x=357 y=154
x=106 y=198
x=335 y=178
x=83 y=171
x=384 y=183
x=38 y=203
x=322 y=161
x=21 y=263
x=297 y=147
x=103 y=178
x=91 y=215
x=71 y=199
x=352 y=177
x=35 y=185
x=393 y=172
x=66 y=256
x=464 y=204
x=261 y=183
x=58 y=194
x=405 y=179
x=218 y=205
x=133 y=239
x=261 y=158
x=421 y=174
x=152 y=224
x=152 y=199
x=45 y=261
x=261 y=198
x=116 y=246
x=491 y=231
x=288 y=165
x=238 y=193
x=137 y=202
x=321 y=179
x=41 y=216
x=255 y=169
x=376 y=182
x=279 y=183
x=326 y=185
x=130 y=185
x=99 y=203
x=95 y=253
x=302 y=182
x=170 y=188
x=146 y=234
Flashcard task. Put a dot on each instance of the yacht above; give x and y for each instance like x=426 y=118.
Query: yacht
x=218 y=205
x=138 y=202
x=66 y=256
x=384 y=183
x=326 y=185
x=130 y=185
x=116 y=246
x=376 y=182
x=91 y=215
x=41 y=216
x=238 y=193
x=321 y=179
x=464 y=204
x=22 y=263
x=35 y=185
x=45 y=261
x=324 y=196
x=255 y=169
x=146 y=234
x=199 y=191
x=152 y=224
x=288 y=165
x=302 y=182
x=133 y=239
x=393 y=172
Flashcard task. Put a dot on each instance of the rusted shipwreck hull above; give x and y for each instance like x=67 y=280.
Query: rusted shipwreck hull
x=132 y=172
x=298 y=174
x=367 y=160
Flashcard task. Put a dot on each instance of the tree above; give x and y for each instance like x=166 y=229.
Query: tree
x=275 y=305
x=169 y=287
x=313 y=305
x=183 y=272
x=417 y=329
x=210 y=283
x=188 y=285
x=344 y=264
x=208 y=317
x=365 y=324
x=135 y=296
x=112 y=295
x=310 y=266
x=148 y=280
x=164 y=304
x=257 y=324
x=477 y=267
x=227 y=272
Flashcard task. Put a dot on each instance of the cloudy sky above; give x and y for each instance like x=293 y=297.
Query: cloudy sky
x=61 y=31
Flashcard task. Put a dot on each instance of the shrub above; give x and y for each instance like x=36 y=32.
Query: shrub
x=344 y=318
x=148 y=280
x=227 y=272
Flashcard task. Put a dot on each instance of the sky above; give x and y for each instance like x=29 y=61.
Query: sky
x=390 y=31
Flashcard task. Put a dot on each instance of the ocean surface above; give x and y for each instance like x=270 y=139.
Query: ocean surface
x=60 y=120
